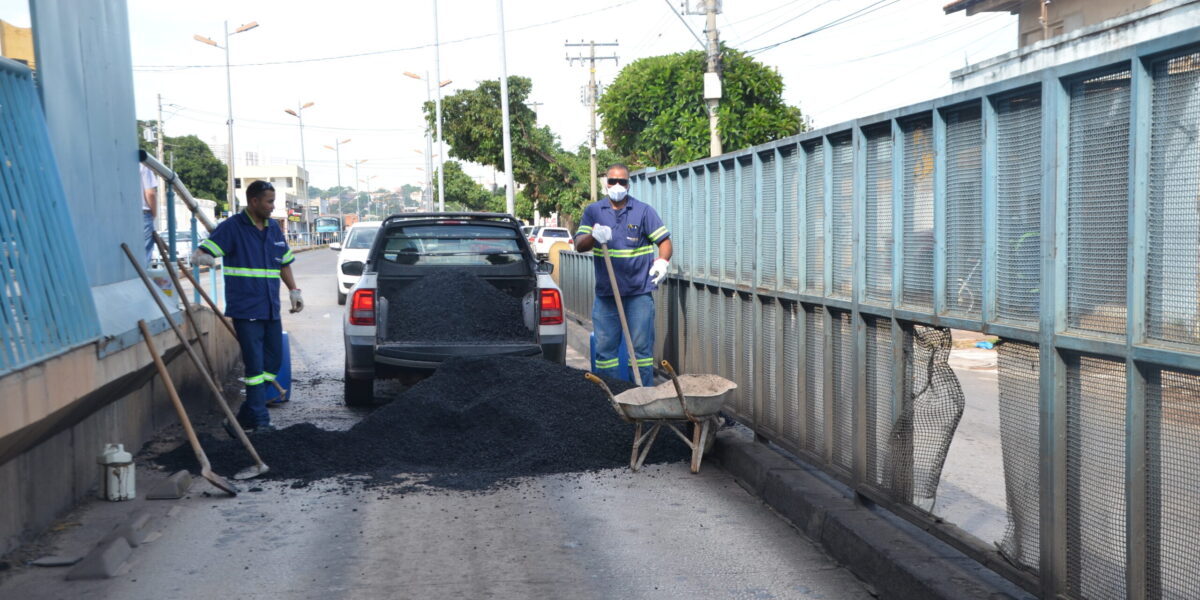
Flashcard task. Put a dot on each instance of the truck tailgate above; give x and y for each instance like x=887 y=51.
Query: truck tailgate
x=430 y=355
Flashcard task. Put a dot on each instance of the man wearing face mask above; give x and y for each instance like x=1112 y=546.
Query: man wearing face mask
x=640 y=247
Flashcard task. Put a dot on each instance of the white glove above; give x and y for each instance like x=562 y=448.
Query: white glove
x=602 y=234
x=297 y=301
x=200 y=257
x=658 y=271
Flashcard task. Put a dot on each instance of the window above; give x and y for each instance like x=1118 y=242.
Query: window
x=556 y=233
x=362 y=238
x=452 y=245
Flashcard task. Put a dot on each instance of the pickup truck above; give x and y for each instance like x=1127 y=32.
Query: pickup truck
x=412 y=246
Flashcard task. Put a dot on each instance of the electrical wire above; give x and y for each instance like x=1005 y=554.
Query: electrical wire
x=685 y=24
x=167 y=68
x=870 y=8
x=757 y=34
x=969 y=25
x=292 y=125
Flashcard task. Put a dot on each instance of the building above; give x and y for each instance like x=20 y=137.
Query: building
x=1053 y=33
x=291 y=188
x=17 y=43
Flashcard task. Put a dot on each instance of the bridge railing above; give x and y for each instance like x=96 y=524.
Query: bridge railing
x=1059 y=211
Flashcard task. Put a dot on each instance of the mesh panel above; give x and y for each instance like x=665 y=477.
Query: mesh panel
x=714 y=224
x=1017 y=373
x=933 y=404
x=1174 y=223
x=1096 y=478
x=790 y=373
x=1018 y=205
x=729 y=226
x=814 y=207
x=918 y=213
x=660 y=319
x=1098 y=204
x=728 y=336
x=964 y=212
x=879 y=397
x=746 y=223
x=842 y=232
x=879 y=219
x=690 y=316
x=746 y=364
x=843 y=390
x=768 y=266
x=682 y=252
x=814 y=379
x=702 y=205
x=768 y=360
x=790 y=197
x=1173 y=468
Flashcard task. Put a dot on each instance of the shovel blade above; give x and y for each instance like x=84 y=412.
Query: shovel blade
x=251 y=472
x=220 y=482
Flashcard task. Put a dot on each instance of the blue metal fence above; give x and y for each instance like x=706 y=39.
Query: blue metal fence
x=1059 y=210
x=46 y=305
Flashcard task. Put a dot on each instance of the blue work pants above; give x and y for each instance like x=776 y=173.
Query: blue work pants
x=262 y=353
x=606 y=325
x=148 y=234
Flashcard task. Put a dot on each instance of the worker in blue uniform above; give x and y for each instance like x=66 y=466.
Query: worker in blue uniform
x=640 y=248
x=256 y=257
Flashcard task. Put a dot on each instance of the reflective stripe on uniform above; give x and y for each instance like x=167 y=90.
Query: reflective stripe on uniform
x=658 y=234
x=645 y=362
x=287 y=257
x=256 y=380
x=212 y=247
x=583 y=230
x=268 y=376
x=606 y=364
x=243 y=272
x=625 y=252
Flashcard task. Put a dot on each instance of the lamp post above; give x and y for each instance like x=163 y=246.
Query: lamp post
x=229 y=96
x=337 y=148
x=428 y=140
x=367 y=181
x=299 y=114
x=357 y=201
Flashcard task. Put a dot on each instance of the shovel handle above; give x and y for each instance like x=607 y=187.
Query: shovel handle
x=612 y=280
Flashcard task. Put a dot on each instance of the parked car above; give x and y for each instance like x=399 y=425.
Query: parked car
x=354 y=248
x=409 y=247
x=545 y=237
x=183 y=244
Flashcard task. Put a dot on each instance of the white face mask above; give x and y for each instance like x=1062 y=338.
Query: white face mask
x=617 y=192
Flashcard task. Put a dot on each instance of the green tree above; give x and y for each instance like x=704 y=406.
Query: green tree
x=472 y=126
x=465 y=193
x=654 y=112
x=204 y=175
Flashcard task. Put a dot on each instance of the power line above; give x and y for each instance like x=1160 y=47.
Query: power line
x=834 y=23
x=163 y=68
x=757 y=34
x=685 y=23
x=293 y=125
x=969 y=25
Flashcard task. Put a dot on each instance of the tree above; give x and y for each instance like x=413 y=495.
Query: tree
x=472 y=126
x=465 y=192
x=654 y=112
x=204 y=175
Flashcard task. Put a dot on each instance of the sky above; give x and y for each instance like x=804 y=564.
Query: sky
x=877 y=55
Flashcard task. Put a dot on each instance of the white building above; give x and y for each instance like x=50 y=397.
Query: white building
x=291 y=187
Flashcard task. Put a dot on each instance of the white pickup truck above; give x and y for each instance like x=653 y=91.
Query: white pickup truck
x=409 y=247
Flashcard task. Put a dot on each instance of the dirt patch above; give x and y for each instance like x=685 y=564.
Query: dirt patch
x=474 y=424
x=455 y=306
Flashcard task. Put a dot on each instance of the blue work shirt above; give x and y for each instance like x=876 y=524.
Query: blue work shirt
x=637 y=231
x=252 y=260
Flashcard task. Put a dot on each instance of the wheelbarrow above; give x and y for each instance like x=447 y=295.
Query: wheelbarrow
x=685 y=398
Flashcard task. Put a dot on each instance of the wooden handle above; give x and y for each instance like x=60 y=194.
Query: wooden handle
x=179 y=410
x=612 y=280
x=208 y=299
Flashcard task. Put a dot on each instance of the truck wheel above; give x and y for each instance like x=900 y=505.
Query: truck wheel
x=341 y=298
x=359 y=392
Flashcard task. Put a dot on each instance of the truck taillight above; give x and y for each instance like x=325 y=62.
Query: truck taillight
x=552 y=309
x=540 y=240
x=362 y=308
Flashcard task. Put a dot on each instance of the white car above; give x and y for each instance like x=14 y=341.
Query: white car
x=354 y=248
x=545 y=237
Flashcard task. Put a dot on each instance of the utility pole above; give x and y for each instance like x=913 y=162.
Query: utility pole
x=162 y=188
x=437 y=72
x=534 y=105
x=712 y=74
x=510 y=206
x=590 y=96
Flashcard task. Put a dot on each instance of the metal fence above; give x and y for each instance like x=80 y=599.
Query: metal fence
x=45 y=302
x=1057 y=210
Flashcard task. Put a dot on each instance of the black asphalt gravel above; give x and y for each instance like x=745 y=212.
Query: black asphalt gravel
x=474 y=424
x=455 y=306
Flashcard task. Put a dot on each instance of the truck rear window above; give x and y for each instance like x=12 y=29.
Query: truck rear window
x=461 y=245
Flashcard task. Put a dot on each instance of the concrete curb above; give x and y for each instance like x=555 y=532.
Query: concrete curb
x=901 y=561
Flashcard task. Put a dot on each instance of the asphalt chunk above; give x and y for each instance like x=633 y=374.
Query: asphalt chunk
x=455 y=306
x=475 y=424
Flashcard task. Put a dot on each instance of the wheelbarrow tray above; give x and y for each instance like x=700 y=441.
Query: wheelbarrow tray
x=703 y=396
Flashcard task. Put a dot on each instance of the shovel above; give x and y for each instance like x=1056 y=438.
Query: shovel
x=612 y=280
x=259 y=466
x=205 y=469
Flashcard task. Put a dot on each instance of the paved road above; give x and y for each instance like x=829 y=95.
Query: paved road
x=662 y=533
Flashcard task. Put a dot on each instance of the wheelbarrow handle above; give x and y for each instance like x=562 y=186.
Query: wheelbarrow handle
x=678 y=390
x=616 y=405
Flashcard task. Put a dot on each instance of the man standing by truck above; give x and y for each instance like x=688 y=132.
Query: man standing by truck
x=632 y=230
x=256 y=256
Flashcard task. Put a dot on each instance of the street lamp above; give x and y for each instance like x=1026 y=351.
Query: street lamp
x=299 y=114
x=367 y=181
x=358 y=203
x=229 y=96
x=337 y=148
x=428 y=142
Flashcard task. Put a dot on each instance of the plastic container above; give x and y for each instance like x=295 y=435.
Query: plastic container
x=623 y=370
x=158 y=274
x=116 y=474
x=284 y=376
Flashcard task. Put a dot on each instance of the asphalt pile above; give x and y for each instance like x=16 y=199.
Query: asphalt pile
x=475 y=424
x=455 y=306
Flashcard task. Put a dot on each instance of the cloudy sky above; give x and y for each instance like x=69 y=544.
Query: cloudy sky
x=348 y=58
